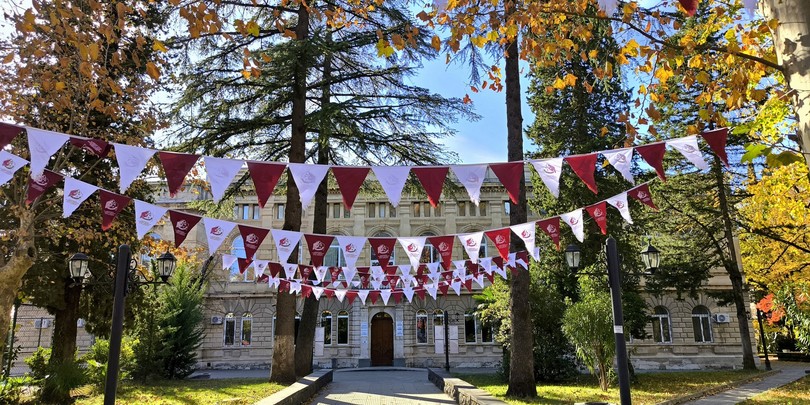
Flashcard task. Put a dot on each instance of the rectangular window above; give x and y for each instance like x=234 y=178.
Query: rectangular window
x=462 y=209
x=702 y=328
x=661 y=329
x=335 y=210
x=421 y=327
x=417 y=210
x=343 y=328
x=382 y=207
x=437 y=210
x=246 y=211
x=346 y=213
x=372 y=210
x=279 y=211
x=257 y=213
x=469 y=328
x=486 y=334
x=326 y=323
x=426 y=209
x=507 y=206
x=482 y=208
x=230 y=330
x=392 y=211
x=247 y=327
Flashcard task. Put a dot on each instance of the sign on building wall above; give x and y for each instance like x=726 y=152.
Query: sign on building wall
x=319 y=341
x=400 y=329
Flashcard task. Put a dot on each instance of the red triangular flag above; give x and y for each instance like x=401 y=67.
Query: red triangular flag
x=420 y=292
x=443 y=288
x=642 y=193
x=584 y=166
x=717 y=141
x=432 y=179
x=351 y=295
x=274 y=268
x=397 y=296
x=243 y=264
x=176 y=166
x=328 y=292
x=111 y=205
x=653 y=154
x=252 y=237
x=305 y=272
x=443 y=245
x=182 y=224
x=349 y=180
x=42 y=183
x=96 y=147
x=468 y=284
x=511 y=176
x=551 y=226
x=318 y=247
x=501 y=238
x=382 y=249
x=374 y=295
x=490 y=276
x=690 y=6
x=306 y=291
x=265 y=177
x=335 y=273
x=598 y=212
x=7 y=133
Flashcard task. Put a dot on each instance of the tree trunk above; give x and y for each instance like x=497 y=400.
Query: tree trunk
x=792 y=42
x=12 y=272
x=63 y=342
x=521 y=366
x=733 y=269
x=283 y=366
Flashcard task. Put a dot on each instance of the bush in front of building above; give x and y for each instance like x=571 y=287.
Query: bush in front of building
x=38 y=363
x=97 y=357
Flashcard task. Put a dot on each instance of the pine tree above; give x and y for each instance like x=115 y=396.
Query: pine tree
x=180 y=323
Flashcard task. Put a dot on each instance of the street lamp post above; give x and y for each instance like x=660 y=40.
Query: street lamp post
x=651 y=258
x=124 y=271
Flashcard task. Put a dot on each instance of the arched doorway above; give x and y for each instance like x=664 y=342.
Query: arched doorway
x=382 y=340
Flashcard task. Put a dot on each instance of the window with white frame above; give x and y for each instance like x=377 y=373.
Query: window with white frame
x=229 y=329
x=343 y=328
x=701 y=324
x=247 y=328
x=421 y=326
x=334 y=256
x=326 y=324
x=438 y=317
x=662 y=332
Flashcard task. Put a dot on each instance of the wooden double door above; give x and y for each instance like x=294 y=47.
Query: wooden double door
x=382 y=340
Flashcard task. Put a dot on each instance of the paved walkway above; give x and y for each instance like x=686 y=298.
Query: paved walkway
x=790 y=372
x=380 y=386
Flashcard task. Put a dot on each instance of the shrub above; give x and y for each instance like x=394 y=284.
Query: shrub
x=38 y=363
x=63 y=378
x=97 y=357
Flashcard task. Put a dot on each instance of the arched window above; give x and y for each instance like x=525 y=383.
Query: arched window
x=661 y=328
x=326 y=324
x=393 y=259
x=421 y=326
x=229 y=329
x=429 y=253
x=334 y=256
x=343 y=328
x=438 y=317
x=247 y=328
x=701 y=324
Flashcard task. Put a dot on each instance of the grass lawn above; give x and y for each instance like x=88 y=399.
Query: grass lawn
x=651 y=388
x=185 y=392
x=797 y=392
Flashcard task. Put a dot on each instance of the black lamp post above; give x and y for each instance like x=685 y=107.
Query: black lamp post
x=651 y=258
x=447 y=339
x=125 y=273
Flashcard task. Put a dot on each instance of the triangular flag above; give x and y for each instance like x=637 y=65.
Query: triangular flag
x=642 y=193
x=97 y=147
x=472 y=244
x=111 y=205
x=598 y=212
x=688 y=147
x=382 y=249
x=182 y=224
x=526 y=232
x=265 y=177
x=243 y=264
x=216 y=232
x=220 y=174
x=146 y=216
x=349 y=180
x=413 y=248
x=76 y=191
x=431 y=289
x=9 y=164
x=253 y=238
x=511 y=176
x=549 y=171
x=318 y=247
x=472 y=177
x=408 y=292
x=653 y=154
x=352 y=247
x=308 y=178
x=352 y=295
x=289 y=270
x=318 y=291
x=609 y=6
x=286 y=242
x=274 y=268
x=260 y=266
x=443 y=245
x=717 y=141
x=501 y=238
x=392 y=179
x=176 y=166
x=362 y=294
x=42 y=145
x=349 y=273
x=39 y=184
x=340 y=294
x=306 y=271
x=227 y=259
x=574 y=220
x=7 y=133
x=374 y=294
x=432 y=179
x=622 y=161
x=131 y=162
x=456 y=285
x=385 y=294
x=551 y=227
x=584 y=166
x=619 y=201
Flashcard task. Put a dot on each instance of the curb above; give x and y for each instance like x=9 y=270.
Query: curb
x=716 y=390
x=461 y=391
x=300 y=391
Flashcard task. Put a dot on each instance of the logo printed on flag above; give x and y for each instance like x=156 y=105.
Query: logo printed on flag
x=41 y=179
x=8 y=164
x=525 y=234
x=443 y=247
x=111 y=205
x=473 y=178
x=689 y=148
x=619 y=204
x=500 y=239
x=284 y=242
x=146 y=215
x=308 y=177
x=621 y=159
x=598 y=213
x=38 y=147
x=471 y=243
x=642 y=195
x=382 y=249
x=318 y=246
x=76 y=194
x=350 y=248
x=551 y=228
x=573 y=221
x=132 y=161
x=182 y=225
x=252 y=238
x=550 y=169
x=391 y=180
x=216 y=231
x=412 y=248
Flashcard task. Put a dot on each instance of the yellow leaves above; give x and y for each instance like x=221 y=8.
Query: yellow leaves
x=436 y=43
x=558 y=84
x=152 y=70
x=642 y=89
x=773 y=24
x=695 y=62
x=246 y=74
x=664 y=73
x=593 y=54
x=384 y=49
x=92 y=51
x=159 y=46
x=478 y=41
x=631 y=48
x=568 y=81
x=703 y=77
x=252 y=28
x=59 y=86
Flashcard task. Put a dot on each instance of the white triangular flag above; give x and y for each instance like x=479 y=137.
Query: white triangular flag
x=431 y=289
x=273 y=282
x=472 y=244
x=318 y=291
x=340 y=294
x=320 y=273
x=408 y=292
x=376 y=283
x=227 y=259
x=295 y=287
x=511 y=261
x=404 y=269
x=289 y=270
x=413 y=248
x=526 y=232
x=217 y=230
x=433 y=268
x=622 y=160
x=352 y=247
x=146 y=216
x=501 y=271
x=620 y=202
x=479 y=280
x=131 y=161
x=9 y=164
x=486 y=264
x=260 y=266
x=308 y=178
x=220 y=173
x=688 y=147
x=348 y=273
x=286 y=242
x=392 y=179
x=385 y=294
x=76 y=191
x=456 y=286
x=549 y=171
x=609 y=6
x=472 y=177
x=363 y=294
x=377 y=272
x=42 y=145
x=574 y=220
